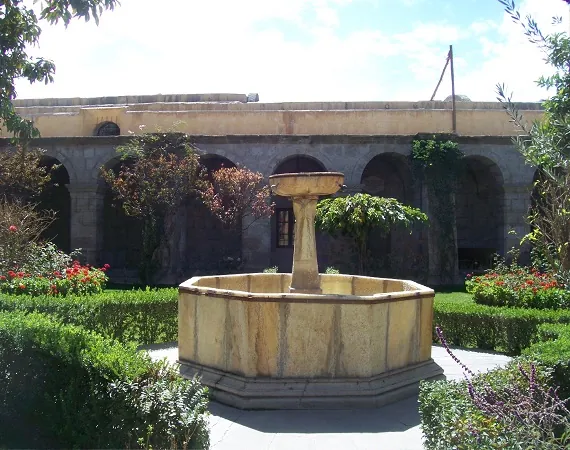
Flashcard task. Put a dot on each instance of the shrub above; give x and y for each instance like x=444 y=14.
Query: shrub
x=142 y=317
x=77 y=280
x=504 y=329
x=68 y=379
x=332 y=271
x=552 y=350
x=513 y=407
x=21 y=226
x=521 y=288
x=273 y=269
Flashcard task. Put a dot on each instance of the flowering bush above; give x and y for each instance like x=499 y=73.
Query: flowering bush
x=515 y=407
x=77 y=280
x=518 y=287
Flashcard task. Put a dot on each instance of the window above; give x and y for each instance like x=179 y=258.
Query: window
x=285 y=227
x=108 y=129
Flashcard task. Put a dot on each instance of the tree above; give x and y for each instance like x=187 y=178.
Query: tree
x=546 y=146
x=355 y=216
x=19 y=30
x=237 y=197
x=159 y=171
x=22 y=177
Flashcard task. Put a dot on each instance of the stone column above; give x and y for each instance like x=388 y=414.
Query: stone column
x=86 y=220
x=516 y=207
x=256 y=245
x=442 y=245
x=305 y=277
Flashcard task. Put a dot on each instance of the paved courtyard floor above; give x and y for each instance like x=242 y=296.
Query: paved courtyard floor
x=392 y=427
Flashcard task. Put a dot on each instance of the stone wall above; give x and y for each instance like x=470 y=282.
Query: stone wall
x=230 y=114
x=494 y=159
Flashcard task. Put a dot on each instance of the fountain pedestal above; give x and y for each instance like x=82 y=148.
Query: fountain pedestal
x=305 y=276
x=304 y=190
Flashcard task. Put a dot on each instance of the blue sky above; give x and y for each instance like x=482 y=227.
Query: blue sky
x=297 y=50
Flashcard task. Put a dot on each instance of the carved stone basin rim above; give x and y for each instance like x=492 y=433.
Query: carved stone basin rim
x=306 y=183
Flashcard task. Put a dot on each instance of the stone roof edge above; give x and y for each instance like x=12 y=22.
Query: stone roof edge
x=269 y=139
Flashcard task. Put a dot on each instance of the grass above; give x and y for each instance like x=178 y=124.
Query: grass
x=457 y=297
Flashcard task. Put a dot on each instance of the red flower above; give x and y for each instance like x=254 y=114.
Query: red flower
x=22 y=286
x=13 y=228
x=57 y=273
x=12 y=274
x=106 y=266
x=2 y=278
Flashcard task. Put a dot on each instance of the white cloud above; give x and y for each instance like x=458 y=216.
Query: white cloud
x=185 y=46
x=512 y=59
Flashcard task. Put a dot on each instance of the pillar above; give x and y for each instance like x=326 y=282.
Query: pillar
x=86 y=220
x=517 y=199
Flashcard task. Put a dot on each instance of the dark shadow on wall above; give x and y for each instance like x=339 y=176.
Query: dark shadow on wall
x=56 y=198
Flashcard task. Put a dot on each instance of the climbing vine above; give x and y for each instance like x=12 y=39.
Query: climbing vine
x=436 y=164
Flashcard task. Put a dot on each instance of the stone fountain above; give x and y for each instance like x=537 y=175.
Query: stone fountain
x=306 y=340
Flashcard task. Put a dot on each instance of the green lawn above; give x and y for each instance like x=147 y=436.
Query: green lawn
x=458 y=297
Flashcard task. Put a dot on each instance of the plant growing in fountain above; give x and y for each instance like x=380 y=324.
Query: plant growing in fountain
x=238 y=197
x=355 y=216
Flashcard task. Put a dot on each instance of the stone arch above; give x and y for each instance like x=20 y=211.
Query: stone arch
x=199 y=241
x=354 y=173
x=282 y=222
x=388 y=175
x=66 y=159
x=121 y=234
x=56 y=198
x=299 y=163
x=479 y=213
x=213 y=162
x=396 y=254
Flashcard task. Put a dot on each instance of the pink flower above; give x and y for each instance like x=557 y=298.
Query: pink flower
x=13 y=228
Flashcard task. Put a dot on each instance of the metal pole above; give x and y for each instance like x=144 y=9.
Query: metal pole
x=440 y=78
x=453 y=112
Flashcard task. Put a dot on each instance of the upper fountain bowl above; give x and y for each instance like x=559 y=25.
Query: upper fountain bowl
x=306 y=183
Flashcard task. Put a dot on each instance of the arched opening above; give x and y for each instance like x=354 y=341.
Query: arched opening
x=122 y=234
x=56 y=198
x=108 y=129
x=479 y=214
x=215 y=162
x=201 y=243
x=283 y=221
x=398 y=253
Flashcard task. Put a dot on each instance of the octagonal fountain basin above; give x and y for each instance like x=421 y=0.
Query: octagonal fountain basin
x=363 y=342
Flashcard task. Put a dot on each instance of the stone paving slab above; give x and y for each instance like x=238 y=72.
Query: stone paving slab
x=394 y=427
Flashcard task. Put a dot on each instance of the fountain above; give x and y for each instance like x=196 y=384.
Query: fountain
x=306 y=340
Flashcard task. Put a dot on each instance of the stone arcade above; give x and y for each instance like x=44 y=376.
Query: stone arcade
x=368 y=141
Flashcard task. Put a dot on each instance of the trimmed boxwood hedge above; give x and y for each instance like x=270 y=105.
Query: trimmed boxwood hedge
x=142 y=316
x=509 y=330
x=90 y=391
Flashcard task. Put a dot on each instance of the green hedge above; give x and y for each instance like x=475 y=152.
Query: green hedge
x=509 y=330
x=141 y=316
x=93 y=392
x=552 y=350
